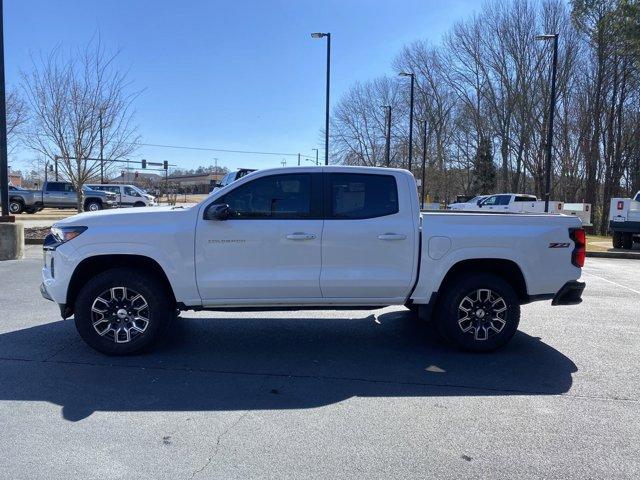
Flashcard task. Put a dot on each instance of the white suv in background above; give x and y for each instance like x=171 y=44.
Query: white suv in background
x=128 y=195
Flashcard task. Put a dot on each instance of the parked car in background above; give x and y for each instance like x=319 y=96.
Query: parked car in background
x=512 y=203
x=128 y=195
x=309 y=237
x=232 y=177
x=462 y=205
x=59 y=195
x=624 y=221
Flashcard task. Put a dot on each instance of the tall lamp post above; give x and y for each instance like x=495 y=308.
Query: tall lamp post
x=387 y=147
x=413 y=78
x=4 y=164
x=316 y=150
x=326 y=114
x=552 y=107
x=424 y=164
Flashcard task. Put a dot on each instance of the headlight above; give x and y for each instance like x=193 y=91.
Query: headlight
x=64 y=234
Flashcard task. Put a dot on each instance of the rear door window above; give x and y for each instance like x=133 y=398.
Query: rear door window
x=359 y=196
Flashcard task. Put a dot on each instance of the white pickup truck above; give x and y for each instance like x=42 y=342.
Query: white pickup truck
x=624 y=221
x=309 y=238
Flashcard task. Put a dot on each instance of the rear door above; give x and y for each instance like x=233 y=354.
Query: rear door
x=54 y=194
x=369 y=240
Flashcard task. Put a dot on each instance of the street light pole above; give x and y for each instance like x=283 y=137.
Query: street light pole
x=413 y=77
x=316 y=155
x=101 y=150
x=326 y=113
x=4 y=164
x=424 y=163
x=552 y=107
x=387 y=147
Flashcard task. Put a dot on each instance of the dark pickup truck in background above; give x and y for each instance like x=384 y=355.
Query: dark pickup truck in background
x=58 y=195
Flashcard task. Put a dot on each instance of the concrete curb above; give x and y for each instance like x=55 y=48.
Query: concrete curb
x=625 y=255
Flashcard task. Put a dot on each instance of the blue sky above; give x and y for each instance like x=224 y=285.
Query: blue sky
x=240 y=75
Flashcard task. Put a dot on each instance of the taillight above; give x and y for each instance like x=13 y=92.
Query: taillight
x=620 y=205
x=580 y=251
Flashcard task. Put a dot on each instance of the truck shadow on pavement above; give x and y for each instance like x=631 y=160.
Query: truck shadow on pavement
x=224 y=363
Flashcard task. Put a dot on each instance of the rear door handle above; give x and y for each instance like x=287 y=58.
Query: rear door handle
x=392 y=236
x=301 y=236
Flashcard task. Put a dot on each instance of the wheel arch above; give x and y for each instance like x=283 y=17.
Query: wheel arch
x=91 y=266
x=508 y=270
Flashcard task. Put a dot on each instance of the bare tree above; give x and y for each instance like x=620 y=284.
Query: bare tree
x=17 y=115
x=71 y=97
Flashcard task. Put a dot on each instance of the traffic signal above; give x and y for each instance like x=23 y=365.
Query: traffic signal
x=144 y=163
x=165 y=164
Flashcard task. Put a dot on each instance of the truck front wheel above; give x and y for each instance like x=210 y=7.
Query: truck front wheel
x=478 y=312
x=123 y=311
x=92 y=206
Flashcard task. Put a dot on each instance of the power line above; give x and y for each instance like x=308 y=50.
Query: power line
x=206 y=149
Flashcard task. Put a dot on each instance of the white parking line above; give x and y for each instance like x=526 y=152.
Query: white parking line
x=610 y=281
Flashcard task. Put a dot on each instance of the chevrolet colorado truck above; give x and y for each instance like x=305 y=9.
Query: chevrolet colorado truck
x=59 y=195
x=309 y=238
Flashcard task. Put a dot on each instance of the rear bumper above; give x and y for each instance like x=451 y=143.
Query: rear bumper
x=624 y=227
x=569 y=294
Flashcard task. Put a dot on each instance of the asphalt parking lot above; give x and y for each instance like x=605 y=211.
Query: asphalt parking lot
x=350 y=394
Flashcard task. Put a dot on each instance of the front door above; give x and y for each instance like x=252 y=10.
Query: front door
x=369 y=240
x=269 y=249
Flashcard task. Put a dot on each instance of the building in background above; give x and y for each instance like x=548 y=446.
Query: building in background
x=15 y=179
x=194 y=183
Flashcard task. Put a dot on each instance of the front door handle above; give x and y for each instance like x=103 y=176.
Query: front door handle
x=392 y=236
x=301 y=236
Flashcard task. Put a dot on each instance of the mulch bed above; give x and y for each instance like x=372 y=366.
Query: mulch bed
x=36 y=233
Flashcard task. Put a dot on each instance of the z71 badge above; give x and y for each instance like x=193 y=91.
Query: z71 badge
x=559 y=245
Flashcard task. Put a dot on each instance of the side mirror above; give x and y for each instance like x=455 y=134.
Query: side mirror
x=479 y=203
x=217 y=212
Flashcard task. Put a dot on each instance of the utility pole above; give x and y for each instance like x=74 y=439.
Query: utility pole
x=101 y=149
x=4 y=164
x=552 y=107
x=424 y=163
x=387 y=154
x=317 y=163
x=298 y=159
x=55 y=162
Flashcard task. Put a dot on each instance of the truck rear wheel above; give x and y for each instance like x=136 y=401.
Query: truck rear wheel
x=627 y=241
x=15 y=207
x=617 y=239
x=478 y=312
x=123 y=311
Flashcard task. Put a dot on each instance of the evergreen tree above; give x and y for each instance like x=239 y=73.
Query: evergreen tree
x=483 y=179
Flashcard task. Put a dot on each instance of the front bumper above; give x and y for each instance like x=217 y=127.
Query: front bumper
x=44 y=293
x=569 y=294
